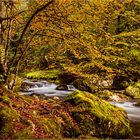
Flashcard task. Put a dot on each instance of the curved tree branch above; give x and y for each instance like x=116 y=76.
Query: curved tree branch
x=31 y=18
x=26 y=27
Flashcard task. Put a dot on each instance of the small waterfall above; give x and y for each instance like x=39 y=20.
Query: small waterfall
x=46 y=88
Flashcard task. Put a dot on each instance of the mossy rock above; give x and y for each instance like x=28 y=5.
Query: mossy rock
x=84 y=85
x=52 y=126
x=8 y=118
x=105 y=94
x=67 y=77
x=133 y=90
x=97 y=117
x=120 y=81
x=112 y=96
x=24 y=134
x=70 y=129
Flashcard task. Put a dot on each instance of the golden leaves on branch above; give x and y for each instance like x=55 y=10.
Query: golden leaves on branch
x=60 y=2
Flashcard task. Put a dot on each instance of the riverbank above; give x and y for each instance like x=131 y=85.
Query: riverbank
x=52 y=110
x=80 y=114
x=46 y=90
x=133 y=112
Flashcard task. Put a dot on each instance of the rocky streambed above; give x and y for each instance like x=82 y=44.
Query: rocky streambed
x=49 y=90
x=46 y=89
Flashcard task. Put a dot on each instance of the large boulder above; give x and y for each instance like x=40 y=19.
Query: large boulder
x=26 y=85
x=67 y=77
x=117 y=96
x=93 y=85
x=84 y=85
x=96 y=117
x=120 y=82
x=133 y=90
x=89 y=83
x=105 y=83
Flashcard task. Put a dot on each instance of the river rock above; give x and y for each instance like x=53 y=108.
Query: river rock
x=120 y=82
x=62 y=87
x=105 y=94
x=105 y=83
x=56 y=98
x=97 y=117
x=39 y=95
x=67 y=77
x=109 y=95
x=115 y=98
x=82 y=85
x=133 y=90
x=26 y=85
x=137 y=104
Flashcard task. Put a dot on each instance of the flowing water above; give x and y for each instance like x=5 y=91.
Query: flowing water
x=49 y=90
x=133 y=113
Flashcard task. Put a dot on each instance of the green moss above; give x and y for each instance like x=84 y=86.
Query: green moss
x=26 y=99
x=133 y=90
x=52 y=126
x=137 y=84
x=85 y=121
x=69 y=129
x=50 y=74
x=26 y=133
x=98 y=117
x=5 y=99
x=85 y=85
x=105 y=94
x=8 y=114
x=10 y=81
x=7 y=119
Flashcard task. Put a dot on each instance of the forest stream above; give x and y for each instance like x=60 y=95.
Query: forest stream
x=47 y=89
x=133 y=113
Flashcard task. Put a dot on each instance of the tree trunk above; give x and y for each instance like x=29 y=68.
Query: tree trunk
x=2 y=71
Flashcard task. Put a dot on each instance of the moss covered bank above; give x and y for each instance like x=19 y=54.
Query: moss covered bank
x=79 y=114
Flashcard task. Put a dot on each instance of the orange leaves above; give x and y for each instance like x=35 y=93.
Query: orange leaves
x=60 y=2
x=16 y=1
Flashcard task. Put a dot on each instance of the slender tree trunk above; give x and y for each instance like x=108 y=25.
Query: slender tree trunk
x=0 y=22
x=2 y=71
x=8 y=37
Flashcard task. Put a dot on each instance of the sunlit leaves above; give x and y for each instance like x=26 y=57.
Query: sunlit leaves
x=94 y=31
